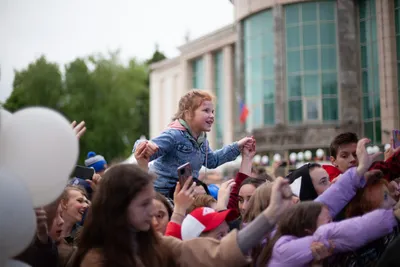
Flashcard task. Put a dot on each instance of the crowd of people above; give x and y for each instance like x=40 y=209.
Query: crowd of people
x=342 y=214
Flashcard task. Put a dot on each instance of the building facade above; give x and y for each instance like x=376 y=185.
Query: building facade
x=307 y=71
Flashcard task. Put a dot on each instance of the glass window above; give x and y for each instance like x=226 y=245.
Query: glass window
x=269 y=113
x=364 y=81
x=310 y=35
x=269 y=90
x=294 y=85
x=368 y=107
x=259 y=69
x=268 y=67
x=329 y=84
x=295 y=111
x=293 y=37
x=292 y=14
x=311 y=68
x=328 y=58
x=293 y=61
x=311 y=85
x=198 y=74
x=369 y=130
x=330 y=109
x=327 y=33
x=312 y=109
x=326 y=10
x=310 y=60
x=309 y=12
x=369 y=70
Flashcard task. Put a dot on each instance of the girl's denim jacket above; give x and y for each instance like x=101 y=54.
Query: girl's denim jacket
x=176 y=147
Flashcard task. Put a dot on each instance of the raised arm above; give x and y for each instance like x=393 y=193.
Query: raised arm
x=354 y=233
x=227 y=153
x=159 y=146
x=340 y=193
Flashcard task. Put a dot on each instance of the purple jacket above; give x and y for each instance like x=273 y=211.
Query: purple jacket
x=346 y=235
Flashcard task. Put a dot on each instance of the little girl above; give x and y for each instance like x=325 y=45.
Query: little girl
x=185 y=140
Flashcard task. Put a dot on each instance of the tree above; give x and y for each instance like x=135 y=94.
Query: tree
x=157 y=56
x=38 y=85
x=112 y=98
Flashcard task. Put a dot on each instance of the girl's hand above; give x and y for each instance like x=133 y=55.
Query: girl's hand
x=391 y=151
x=223 y=194
x=320 y=251
x=79 y=129
x=281 y=199
x=184 y=196
x=246 y=142
x=151 y=149
x=364 y=159
x=249 y=152
x=41 y=225
x=95 y=181
x=140 y=156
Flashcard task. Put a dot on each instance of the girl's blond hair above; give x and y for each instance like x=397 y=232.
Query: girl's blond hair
x=191 y=101
x=258 y=202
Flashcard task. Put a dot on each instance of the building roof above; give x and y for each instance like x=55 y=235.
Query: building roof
x=209 y=38
x=166 y=63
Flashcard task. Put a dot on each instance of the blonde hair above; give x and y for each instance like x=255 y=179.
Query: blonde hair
x=191 y=101
x=201 y=201
x=258 y=202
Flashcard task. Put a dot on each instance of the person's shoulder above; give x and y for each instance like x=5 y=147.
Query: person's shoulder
x=93 y=258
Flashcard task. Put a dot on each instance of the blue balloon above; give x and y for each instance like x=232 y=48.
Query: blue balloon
x=213 y=190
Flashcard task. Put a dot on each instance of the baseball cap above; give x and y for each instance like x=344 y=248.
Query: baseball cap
x=202 y=220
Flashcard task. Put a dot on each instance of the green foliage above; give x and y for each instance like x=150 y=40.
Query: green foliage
x=157 y=56
x=111 y=97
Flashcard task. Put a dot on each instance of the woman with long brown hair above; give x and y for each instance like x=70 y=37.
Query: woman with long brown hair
x=118 y=230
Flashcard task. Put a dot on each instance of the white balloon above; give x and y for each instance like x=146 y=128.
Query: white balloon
x=15 y=263
x=293 y=157
x=370 y=150
x=17 y=217
x=300 y=156
x=4 y=115
x=320 y=153
x=257 y=159
x=308 y=155
x=41 y=148
x=387 y=146
x=277 y=158
x=264 y=159
x=376 y=149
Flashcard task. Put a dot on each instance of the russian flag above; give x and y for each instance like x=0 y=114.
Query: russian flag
x=244 y=111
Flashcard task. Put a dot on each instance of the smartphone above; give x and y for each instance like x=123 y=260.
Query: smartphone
x=83 y=172
x=396 y=138
x=184 y=172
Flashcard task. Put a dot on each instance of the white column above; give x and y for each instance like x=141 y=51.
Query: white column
x=186 y=81
x=155 y=108
x=209 y=85
x=168 y=97
x=228 y=94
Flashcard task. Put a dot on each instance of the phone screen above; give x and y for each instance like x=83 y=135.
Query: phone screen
x=396 y=138
x=184 y=172
x=83 y=172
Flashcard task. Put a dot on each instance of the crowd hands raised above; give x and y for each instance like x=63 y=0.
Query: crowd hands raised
x=144 y=214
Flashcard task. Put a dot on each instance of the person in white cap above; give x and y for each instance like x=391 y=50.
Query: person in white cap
x=206 y=222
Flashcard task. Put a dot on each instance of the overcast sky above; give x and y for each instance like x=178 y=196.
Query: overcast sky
x=64 y=30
